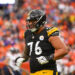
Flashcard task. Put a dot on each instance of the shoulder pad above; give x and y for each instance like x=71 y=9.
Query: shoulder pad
x=52 y=31
x=26 y=33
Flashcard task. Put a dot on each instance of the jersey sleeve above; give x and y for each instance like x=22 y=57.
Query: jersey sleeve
x=52 y=31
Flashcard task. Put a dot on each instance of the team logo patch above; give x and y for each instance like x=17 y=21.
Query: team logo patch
x=41 y=37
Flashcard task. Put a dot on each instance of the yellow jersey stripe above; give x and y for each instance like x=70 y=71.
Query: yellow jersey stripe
x=56 y=73
x=52 y=31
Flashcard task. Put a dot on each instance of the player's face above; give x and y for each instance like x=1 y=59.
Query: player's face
x=31 y=25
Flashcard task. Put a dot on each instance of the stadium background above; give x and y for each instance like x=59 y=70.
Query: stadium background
x=60 y=13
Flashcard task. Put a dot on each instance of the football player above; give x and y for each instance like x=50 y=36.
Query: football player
x=41 y=43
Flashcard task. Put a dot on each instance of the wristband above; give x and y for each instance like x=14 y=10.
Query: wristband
x=51 y=57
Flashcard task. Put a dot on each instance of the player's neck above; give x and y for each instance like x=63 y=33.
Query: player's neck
x=41 y=28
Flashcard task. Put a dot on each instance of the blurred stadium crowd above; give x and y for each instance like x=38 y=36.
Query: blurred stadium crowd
x=60 y=13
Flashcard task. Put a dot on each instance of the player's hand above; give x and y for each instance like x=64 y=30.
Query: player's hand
x=45 y=59
x=19 y=61
x=42 y=60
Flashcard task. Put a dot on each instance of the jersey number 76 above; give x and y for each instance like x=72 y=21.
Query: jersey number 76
x=37 y=48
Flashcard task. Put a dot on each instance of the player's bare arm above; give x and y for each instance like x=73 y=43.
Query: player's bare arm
x=25 y=54
x=23 y=58
x=61 y=49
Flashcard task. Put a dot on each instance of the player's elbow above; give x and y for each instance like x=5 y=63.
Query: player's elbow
x=66 y=50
